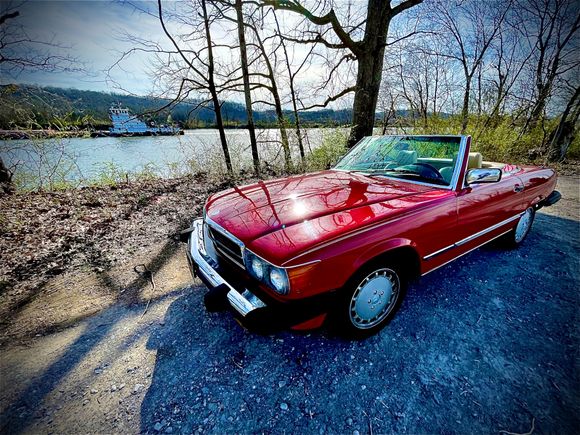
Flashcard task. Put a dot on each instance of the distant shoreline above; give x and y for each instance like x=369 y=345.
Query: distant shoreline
x=66 y=134
x=42 y=134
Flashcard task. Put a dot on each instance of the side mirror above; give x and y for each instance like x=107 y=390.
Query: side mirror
x=483 y=175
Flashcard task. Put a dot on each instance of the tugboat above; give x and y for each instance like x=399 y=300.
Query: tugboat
x=127 y=125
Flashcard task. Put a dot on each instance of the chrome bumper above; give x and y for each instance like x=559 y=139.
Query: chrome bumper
x=243 y=303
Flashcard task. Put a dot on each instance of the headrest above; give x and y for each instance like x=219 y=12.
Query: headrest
x=475 y=160
x=406 y=157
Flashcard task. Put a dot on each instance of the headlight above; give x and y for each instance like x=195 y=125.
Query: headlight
x=279 y=280
x=274 y=277
x=257 y=267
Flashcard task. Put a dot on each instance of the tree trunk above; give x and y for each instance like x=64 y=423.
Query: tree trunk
x=465 y=109
x=282 y=127
x=566 y=131
x=214 y=95
x=370 y=70
x=5 y=178
x=247 y=91
x=292 y=93
x=538 y=109
x=273 y=88
x=297 y=122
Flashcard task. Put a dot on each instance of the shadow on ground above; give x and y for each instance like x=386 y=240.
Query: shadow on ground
x=485 y=344
x=28 y=404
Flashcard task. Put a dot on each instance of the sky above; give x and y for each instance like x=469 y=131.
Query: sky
x=94 y=33
x=91 y=32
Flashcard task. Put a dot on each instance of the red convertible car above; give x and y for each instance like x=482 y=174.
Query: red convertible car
x=343 y=243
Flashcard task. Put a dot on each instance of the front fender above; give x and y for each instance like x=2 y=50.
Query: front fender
x=383 y=247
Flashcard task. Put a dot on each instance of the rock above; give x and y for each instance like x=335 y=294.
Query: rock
x=356 y=432
x=349 y=421
x=138 y=388
x=169 y=429
x=94 y=391
x=113 y=387
x=281 y=384
x=284 y=406
x=157 y=427
x=121 y=386
x=98 y=371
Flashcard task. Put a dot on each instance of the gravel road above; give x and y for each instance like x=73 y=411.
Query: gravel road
x=487 y=344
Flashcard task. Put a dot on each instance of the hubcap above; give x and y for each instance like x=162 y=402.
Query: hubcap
x=374 y=298
x=524 y=225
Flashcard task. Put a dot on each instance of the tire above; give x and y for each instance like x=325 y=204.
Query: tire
x=518 y=234
x=370 y=299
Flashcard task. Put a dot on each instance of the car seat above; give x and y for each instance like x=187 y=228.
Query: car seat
x=406 y=157
x=475 y=160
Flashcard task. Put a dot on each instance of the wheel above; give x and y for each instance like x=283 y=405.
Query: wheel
x=517 y=235
x=370 y=299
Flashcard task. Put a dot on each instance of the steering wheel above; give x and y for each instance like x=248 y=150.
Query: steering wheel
x=428 y=171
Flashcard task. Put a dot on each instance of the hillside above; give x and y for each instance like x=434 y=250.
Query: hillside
x=30 y=107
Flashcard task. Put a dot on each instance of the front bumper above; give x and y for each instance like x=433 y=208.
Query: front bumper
x=199 y=262
x=251 y=305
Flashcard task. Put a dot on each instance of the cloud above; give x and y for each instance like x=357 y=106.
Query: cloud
x=89 y=31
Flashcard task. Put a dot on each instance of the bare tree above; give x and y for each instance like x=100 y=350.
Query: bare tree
x=368 y=51
x=553 y=25
x=567 y=128
x=20 y=50
x=268 y=59
x=183 y=66
x=291 y=83
x=470 y=27
x=246 y=79
x=212 y=87
x=188 y=65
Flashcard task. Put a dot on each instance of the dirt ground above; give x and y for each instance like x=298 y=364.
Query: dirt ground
x=489 y=343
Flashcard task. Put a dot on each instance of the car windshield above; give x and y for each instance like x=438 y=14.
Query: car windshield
x=424 y=159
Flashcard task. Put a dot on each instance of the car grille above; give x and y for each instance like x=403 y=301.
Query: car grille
x=226 y=247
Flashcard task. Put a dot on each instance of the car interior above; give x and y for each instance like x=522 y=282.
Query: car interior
x=444 y=166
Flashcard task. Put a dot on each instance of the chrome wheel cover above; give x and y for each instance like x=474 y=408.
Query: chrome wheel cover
x=524 y=225
x=374 y=298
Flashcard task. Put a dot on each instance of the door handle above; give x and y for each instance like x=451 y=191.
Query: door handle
x=518 y=188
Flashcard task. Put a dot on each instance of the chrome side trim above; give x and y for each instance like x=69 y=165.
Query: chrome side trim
x=440 y=251
x=301 y=264
x=488 y=230
x=243 y=303
x=466 y=252
x=473 y=236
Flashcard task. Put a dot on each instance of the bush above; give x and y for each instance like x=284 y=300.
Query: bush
x=333 y=147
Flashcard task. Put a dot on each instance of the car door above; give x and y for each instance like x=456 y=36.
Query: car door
x=488 y=209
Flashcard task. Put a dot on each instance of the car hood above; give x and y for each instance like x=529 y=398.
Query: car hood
x=253 y=211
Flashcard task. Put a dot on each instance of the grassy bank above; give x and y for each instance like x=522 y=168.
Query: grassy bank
x=50 y=166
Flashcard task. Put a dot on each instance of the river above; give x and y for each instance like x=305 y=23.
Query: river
x=166 y=156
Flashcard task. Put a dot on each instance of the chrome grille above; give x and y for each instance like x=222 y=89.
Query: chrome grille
x=226 y=247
